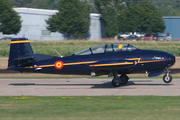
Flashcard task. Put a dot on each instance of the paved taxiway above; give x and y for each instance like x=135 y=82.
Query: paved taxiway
x=86 y=87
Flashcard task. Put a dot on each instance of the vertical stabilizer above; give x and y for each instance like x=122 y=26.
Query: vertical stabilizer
x=21 y=52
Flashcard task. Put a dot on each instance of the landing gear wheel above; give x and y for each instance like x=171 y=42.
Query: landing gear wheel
x=116 y=82
x=124 y=79
x=167 y=78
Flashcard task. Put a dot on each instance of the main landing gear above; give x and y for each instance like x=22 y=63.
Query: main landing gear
x=167 y=78
x=118 y=81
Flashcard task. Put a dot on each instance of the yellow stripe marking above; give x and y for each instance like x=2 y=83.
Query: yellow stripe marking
x=113 y=64
x=150 y=61
x=52 y=65
x=79 y=63
x=22 y=41
x=134 y=59
x=28 y=67
x=144 y=61
x=46 y=65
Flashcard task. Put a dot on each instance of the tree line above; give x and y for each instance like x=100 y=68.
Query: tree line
x=167 y=7
x=40 y=4
x=73 y=16
x=139 y=16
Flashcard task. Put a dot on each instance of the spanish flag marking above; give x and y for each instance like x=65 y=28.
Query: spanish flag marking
x=58 y=65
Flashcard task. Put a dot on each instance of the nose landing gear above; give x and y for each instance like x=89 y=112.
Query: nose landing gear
x=167 y=78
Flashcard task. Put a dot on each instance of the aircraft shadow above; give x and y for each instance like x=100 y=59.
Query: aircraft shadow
x=103 y=85
x=130 y=83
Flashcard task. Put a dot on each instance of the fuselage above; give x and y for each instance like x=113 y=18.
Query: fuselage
x=144 y=60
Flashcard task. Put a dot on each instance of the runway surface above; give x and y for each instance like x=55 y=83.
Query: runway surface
x=86 y=87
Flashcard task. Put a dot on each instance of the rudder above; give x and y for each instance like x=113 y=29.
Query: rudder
x=21 y=53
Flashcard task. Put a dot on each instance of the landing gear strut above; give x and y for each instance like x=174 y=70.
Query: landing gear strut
x=167 y=78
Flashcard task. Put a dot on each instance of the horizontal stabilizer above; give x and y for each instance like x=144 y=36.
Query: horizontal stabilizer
x=156 y=73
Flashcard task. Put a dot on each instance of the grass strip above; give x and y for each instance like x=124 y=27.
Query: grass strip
x=69 y=47
x=90 y=108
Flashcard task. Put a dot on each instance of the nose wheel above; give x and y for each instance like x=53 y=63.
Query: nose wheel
x=167 y=78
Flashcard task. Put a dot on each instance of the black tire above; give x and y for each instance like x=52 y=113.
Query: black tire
x=116 y=83
x=167 y=78
x=124 y=79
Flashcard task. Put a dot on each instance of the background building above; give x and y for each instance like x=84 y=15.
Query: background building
x=34 y=25
x=173 y=27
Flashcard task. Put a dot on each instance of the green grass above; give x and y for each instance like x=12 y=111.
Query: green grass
x=90 y=108
x=69 y=47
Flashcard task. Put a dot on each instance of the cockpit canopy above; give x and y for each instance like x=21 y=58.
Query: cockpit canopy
x=107 y=48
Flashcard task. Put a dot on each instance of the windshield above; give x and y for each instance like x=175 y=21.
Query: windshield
x=98 y=49
x=84 y=52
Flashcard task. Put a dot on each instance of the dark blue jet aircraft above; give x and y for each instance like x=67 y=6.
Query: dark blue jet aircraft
x=109 y=59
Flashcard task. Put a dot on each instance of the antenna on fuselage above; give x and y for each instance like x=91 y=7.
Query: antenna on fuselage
x=58 y=53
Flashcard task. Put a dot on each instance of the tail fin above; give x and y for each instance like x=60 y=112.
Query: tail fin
x=21 y=53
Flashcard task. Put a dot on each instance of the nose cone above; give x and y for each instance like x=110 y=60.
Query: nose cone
x=172 y=60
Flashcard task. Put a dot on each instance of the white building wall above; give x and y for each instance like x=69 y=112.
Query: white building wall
x=95 y=27
x=33 y=23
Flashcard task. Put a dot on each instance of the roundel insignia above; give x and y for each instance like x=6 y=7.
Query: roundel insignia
x=58 y=65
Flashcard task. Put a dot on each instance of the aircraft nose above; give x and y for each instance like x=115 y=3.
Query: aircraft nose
x=172 y=59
